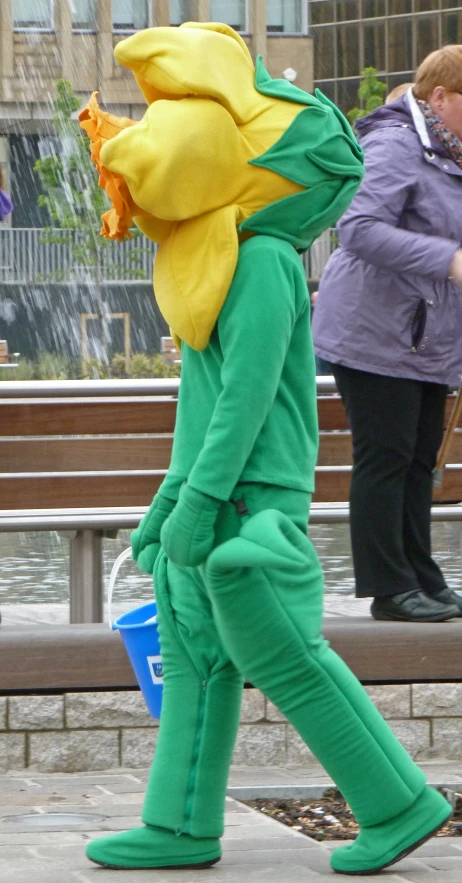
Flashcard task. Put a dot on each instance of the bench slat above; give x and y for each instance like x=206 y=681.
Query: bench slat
x=68 y=454
x=110 y=416
x=91 y=656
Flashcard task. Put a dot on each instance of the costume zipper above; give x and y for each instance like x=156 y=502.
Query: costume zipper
x=195 y=758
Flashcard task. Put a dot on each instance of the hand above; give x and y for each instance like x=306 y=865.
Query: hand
x=188 y=535
x=455 y=270
x=145 y=540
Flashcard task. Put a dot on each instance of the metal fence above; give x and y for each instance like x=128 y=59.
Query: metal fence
x=33 y=254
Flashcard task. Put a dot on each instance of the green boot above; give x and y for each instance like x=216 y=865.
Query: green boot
x=272 y=574
x=150 y=847
x=382 y=845
x=184 y=805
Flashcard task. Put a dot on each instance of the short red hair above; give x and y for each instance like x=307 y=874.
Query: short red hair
x=441 y=68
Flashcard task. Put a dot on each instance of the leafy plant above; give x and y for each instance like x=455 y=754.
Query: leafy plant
x=371 y=94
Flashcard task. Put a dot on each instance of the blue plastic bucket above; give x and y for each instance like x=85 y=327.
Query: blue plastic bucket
x=139 y=632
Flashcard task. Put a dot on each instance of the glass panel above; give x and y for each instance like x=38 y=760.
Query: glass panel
x=400 y=44
x=347 y=10
x=347 y=94
x=374 y=45
x=397 y=79
x=83 y=15
x=427 y=38
x=231 y=12
x=284 y=16
x=130 y=15
x=32 y=14
x=425 y=5
x=449 y=4
x=180 y=11
x=399 y=7
x=321 y=12
x=373 y=8
x=452 y=27
x=348 y=60
x=323 y=47
x=327 y=88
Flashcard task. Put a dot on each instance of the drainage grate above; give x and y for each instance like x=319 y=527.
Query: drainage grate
x=55 y=819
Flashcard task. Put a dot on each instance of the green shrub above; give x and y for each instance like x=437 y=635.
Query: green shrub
x=51 y=366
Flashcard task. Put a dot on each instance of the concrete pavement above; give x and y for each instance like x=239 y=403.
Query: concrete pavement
x=46 y=820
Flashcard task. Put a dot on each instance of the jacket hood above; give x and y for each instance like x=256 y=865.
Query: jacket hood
x=396 y=114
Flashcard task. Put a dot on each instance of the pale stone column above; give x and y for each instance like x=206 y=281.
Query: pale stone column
x=160 y=13
x=6 y=39
x=257 y=26
x=104 y=51
x=202 y=11
x=63 y=24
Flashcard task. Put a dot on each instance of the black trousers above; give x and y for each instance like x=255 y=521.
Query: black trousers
x=397 y=428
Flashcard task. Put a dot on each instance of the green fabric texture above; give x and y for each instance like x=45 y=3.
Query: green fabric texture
x=145 y=540
x=149 y=847
x=271 y=572
x=246 y=409
x=377 y=847
x=188 y=534
x=318 y=151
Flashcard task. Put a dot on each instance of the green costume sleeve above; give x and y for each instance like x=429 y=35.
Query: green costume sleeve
x=255 y=327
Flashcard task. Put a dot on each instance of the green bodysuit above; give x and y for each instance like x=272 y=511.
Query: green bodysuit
x=238 y=584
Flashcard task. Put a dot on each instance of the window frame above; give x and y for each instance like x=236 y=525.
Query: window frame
x=304 y=32
x=89 y=30
x=26 y=29
x=133 y=30
x=246 y=31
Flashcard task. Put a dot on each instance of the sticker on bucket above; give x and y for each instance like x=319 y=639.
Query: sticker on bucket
x=155 y=667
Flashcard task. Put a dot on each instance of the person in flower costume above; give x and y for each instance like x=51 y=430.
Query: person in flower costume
x=232 y=173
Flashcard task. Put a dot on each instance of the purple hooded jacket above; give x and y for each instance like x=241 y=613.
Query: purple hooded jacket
x=385 y=302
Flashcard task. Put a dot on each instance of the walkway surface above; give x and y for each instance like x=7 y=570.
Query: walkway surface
x=49 y=846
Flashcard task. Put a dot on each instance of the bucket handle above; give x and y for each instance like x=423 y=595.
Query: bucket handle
x=115 y=569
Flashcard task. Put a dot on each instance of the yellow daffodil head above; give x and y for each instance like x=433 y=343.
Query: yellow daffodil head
x=218 y=147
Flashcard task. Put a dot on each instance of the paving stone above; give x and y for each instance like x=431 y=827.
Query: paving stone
x=297 y=750
x=117 y=709
x=391 y=701
x=253 y=706
x=260 y=744
x=437 y=700
x=36 y=712
x=273 y=713
x=447 y=738
x=73 y=751
x=138 y=747
x=3 y=702
x=12 y=751
x=414 y=735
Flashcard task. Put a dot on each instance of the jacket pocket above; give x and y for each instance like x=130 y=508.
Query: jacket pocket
x=419 y=322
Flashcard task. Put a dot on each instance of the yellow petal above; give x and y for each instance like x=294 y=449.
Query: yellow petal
x=193 y=61
x=193 y=270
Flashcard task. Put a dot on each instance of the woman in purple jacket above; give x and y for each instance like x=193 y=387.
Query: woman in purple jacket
x=389 y=319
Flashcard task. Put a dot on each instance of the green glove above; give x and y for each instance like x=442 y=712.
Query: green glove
x=145 y=540
x=188 y=535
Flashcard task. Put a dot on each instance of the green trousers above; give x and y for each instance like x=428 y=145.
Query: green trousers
x=255 y=611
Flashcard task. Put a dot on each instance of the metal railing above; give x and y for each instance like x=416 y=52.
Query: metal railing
x=27 y=256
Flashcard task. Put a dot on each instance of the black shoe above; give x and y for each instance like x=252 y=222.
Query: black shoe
x=447 y=596
x=413 y=606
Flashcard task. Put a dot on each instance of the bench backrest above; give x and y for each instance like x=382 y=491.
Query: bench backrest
x=97 y=451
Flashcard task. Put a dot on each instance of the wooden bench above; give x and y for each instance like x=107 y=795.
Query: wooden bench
x=87 y=458
x=72 y=452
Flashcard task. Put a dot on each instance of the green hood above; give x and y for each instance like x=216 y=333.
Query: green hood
x=318 y=151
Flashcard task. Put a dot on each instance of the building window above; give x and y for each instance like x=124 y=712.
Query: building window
x=181 y=11
x=130 y=15
x=286 y=16
x=36 y=15
x=230 y=12
x=83 y=15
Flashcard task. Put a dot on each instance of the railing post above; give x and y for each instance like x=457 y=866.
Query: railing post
x=86 y=575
